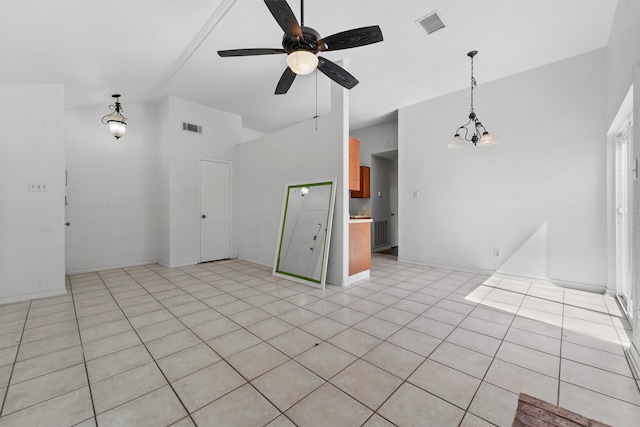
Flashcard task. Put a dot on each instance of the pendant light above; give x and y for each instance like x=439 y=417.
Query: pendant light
x=116 y=121
x=480 y=136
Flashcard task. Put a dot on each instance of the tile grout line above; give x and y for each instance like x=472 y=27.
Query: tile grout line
x=13 y=365
x=492 y=361
x=84 y=359
x=405 y=380
x=244 y=272
x=147 y=349
x=561 y=349
x=247 y=381
x=203 y=341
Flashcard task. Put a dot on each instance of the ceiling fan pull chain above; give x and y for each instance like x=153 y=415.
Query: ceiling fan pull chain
x=316 y=116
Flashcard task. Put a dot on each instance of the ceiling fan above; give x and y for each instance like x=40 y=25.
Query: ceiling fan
x=302 y=44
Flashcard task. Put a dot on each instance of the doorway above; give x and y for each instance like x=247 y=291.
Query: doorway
x=625 y=169
x=623 y=215
x=393 y=209
x=215 y=210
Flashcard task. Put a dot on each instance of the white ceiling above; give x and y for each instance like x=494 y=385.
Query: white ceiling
x=148 y=49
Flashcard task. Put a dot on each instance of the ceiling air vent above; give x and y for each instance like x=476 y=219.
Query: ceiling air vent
x=190 y=127
x=431 y=23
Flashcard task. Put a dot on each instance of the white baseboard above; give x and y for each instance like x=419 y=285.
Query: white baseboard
x=177 y=264
x=363 y=275
x=19 y=298
x=600 y=289
x=633 y=354
x=262 y=263
x=447 y=266
x=109 y=267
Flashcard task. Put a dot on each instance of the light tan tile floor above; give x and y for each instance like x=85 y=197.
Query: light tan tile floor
x=228 y=344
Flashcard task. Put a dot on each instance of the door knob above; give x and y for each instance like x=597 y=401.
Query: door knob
x=67 y=223
x=392 y=214
x=204 y=216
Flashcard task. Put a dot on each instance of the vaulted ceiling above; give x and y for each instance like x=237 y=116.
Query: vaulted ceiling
x=148 y=49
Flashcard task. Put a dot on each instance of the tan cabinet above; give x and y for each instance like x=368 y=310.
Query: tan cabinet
x=359 y=247
x=354 y=164
x=364 y=191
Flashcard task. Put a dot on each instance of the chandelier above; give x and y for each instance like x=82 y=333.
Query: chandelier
x=479 y=135
x=116 y=121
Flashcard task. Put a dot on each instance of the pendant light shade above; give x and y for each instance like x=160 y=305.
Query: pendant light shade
x=480 y=136
x=116 y=121
x=116 y=127
x=302 y=62
x=486 y=140
x=457 y=142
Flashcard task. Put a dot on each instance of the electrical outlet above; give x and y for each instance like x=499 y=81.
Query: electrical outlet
x=496 y=253
x=38 y=186
x=416 y=195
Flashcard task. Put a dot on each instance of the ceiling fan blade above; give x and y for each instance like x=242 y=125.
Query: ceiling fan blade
x=336 y=73
x=351 y=38
x=249 y=52
x=285 y=81
x=284 y=16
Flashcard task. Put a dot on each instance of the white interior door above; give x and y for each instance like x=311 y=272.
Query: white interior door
x=623 y=215
x=215 y=211
x=393 y=209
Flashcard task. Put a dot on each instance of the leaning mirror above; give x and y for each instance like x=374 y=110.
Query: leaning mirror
x=305 y=230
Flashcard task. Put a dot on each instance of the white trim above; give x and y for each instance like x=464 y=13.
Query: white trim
x=625 y=110
x=32 y=296
x=447 y=266
x=634 y=359
x=262 y=263
x=363 y=275
x=195 y=44
x=623 y=121
x=178 y=264
x=599 y=289
x=110 y=267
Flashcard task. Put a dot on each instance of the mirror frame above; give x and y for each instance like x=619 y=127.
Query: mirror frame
x=320 y=283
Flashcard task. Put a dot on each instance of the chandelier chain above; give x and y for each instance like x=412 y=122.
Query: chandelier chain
x=473 y=83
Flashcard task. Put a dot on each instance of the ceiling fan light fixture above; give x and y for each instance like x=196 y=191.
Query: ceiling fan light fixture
x=302 y=62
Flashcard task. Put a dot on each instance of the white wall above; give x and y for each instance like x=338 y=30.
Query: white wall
x=31 y=223
x=265 y=165
x=547 y=175
x=179 y=155
x=623 y=70
x=376 y=139
x=112 y=189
